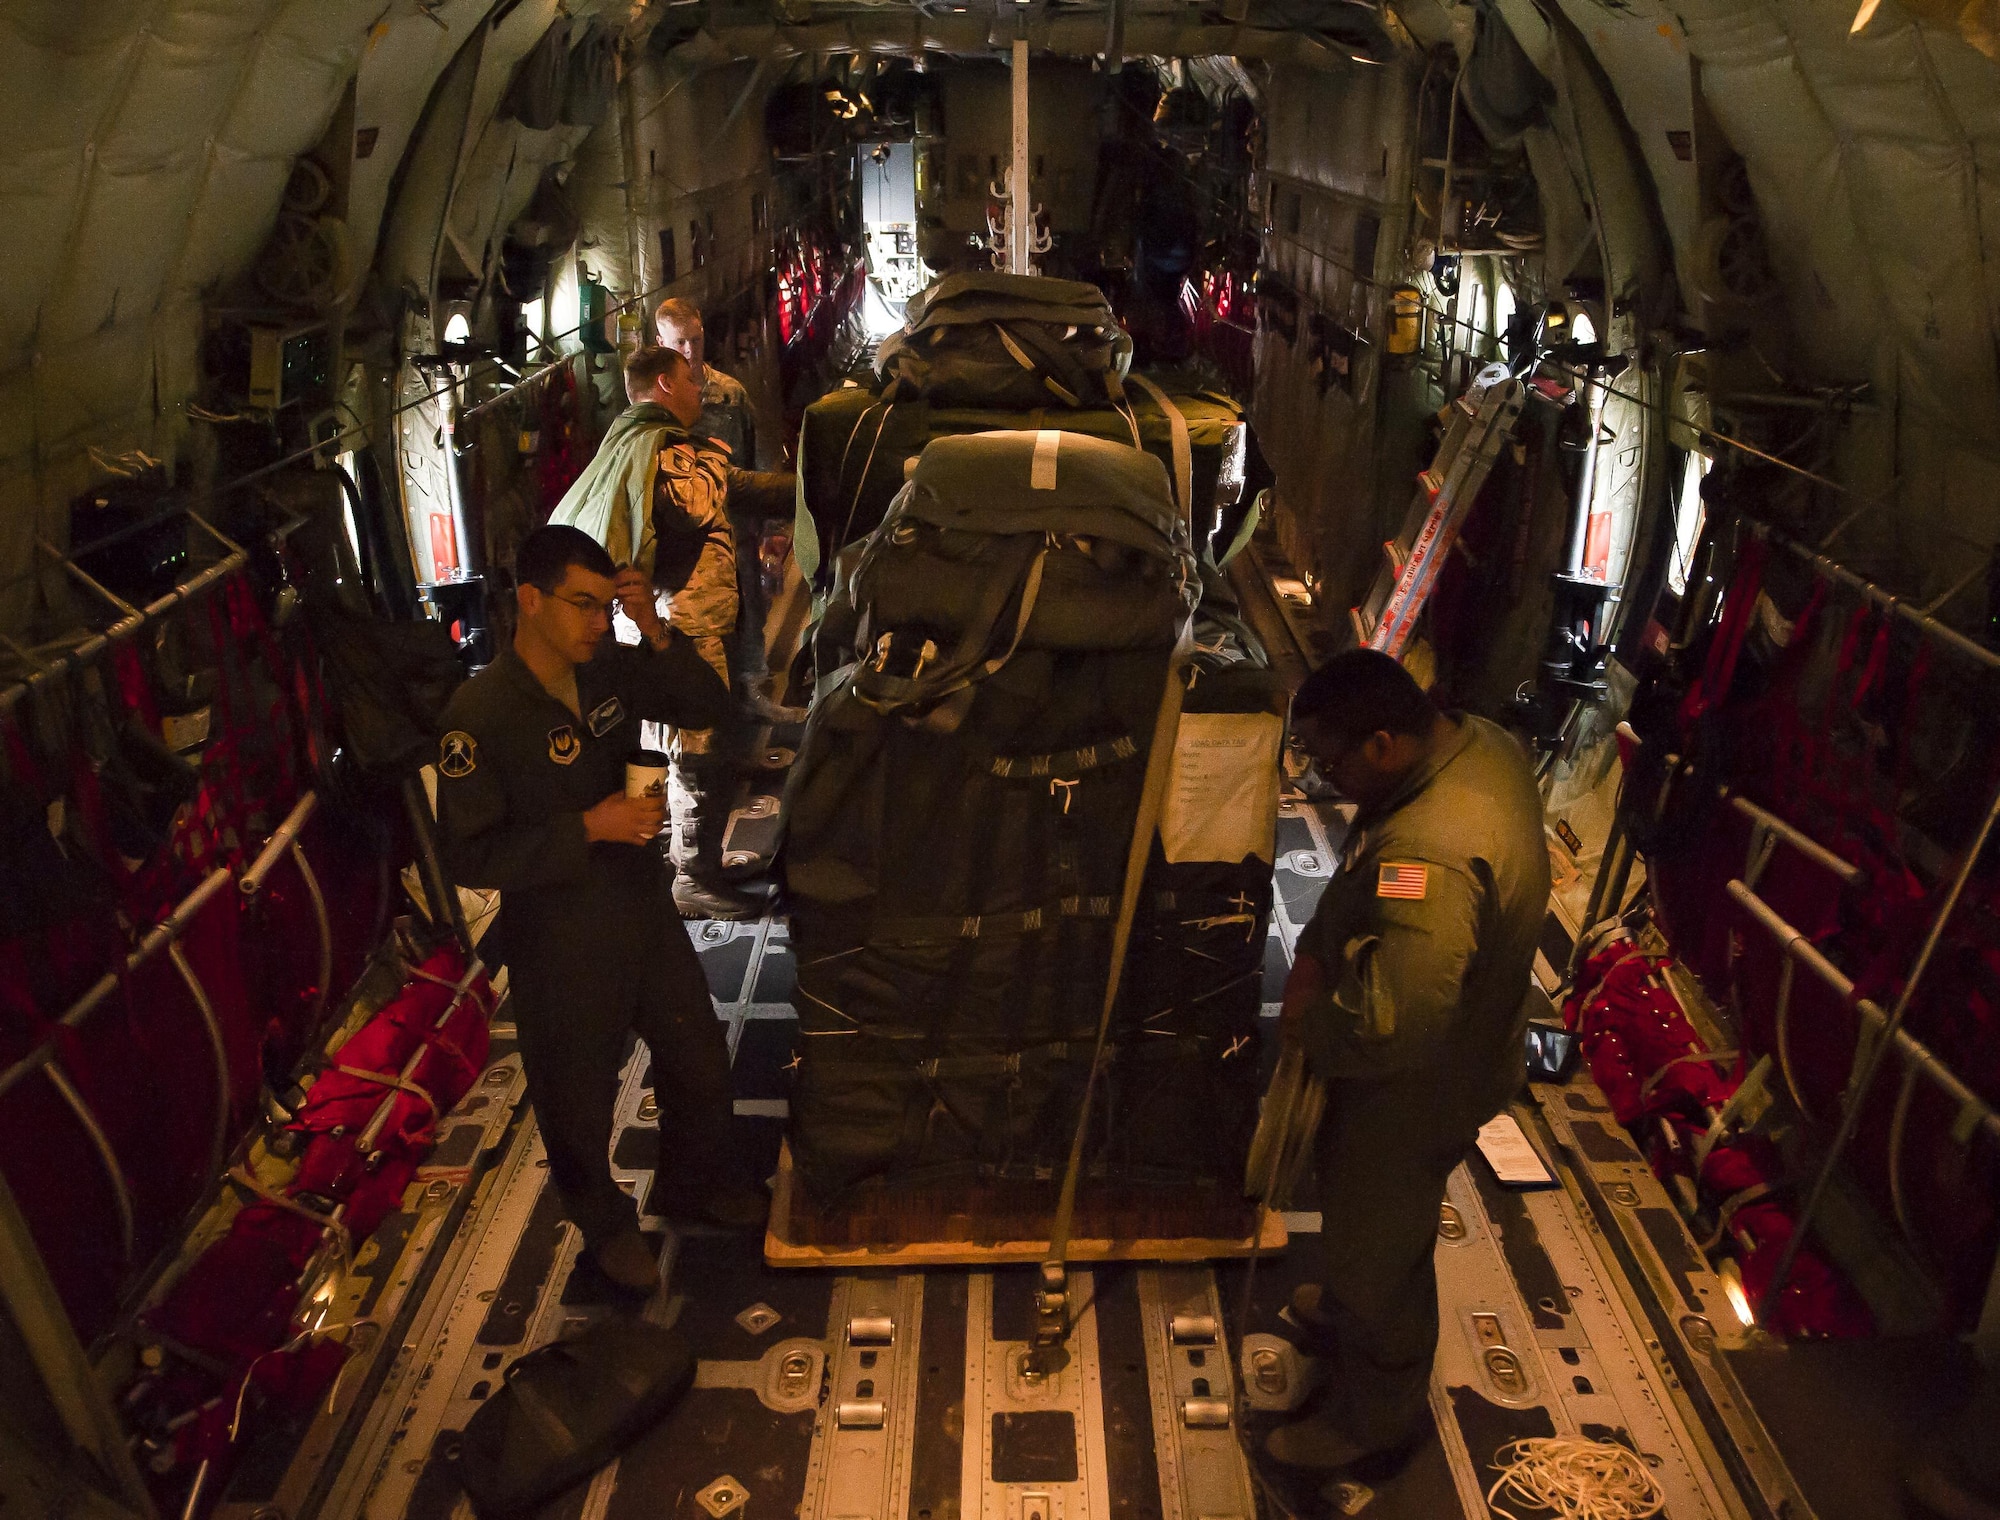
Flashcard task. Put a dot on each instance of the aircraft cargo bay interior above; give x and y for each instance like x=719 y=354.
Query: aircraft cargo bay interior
x=1023 y=760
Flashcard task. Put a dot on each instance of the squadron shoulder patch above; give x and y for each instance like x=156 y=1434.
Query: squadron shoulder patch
x=1408 y=881
x=564 y=746
x=458 y=754
x=604 y=717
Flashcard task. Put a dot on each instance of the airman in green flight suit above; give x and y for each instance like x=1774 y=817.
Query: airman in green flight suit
x=1408 y=993
x=532 y=800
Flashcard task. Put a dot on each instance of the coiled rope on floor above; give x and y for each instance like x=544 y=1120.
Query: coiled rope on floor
x=1574 y=1478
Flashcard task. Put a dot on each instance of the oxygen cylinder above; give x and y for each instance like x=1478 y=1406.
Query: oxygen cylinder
x=1406 y=326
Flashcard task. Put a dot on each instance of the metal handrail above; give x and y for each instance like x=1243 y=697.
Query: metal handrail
x=1797 y=838
x=131 y=619
x=1833 y=570
x=162 y=934
x=1793 y=943
x=282 y=838
x=285 y=839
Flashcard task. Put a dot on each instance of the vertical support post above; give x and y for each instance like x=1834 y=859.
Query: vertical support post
x=1586 y=488
x=444 y=904
x=1020 y=204
x=471 y=556
x=66 y=1373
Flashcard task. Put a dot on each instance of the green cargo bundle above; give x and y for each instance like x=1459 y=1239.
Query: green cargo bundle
x=855 y=446
x=1006 y=340
x=957 y=826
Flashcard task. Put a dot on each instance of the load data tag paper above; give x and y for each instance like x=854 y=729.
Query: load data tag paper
x=1222 y=797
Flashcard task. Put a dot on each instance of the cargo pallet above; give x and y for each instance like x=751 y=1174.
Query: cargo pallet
x=984 y=1223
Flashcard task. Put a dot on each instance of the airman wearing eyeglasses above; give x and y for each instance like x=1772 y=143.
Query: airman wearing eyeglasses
x=531 y=800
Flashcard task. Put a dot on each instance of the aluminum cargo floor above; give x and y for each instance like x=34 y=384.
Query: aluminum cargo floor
x=807 y=1404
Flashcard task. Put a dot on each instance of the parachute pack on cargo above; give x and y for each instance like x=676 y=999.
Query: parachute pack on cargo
x=958 y=823
x=1006 y=340
x=854 y=447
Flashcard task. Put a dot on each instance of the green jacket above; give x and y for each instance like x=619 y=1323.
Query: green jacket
x=612 y=500
x=1428 y=930
x=656 y=497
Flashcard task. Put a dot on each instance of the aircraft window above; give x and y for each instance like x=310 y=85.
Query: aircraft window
x=458 y=329
x=1688 y=514
x=1581 y=328
x=351 y=462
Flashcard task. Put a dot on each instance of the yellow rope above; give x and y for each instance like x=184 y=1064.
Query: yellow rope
x=1574 y=1478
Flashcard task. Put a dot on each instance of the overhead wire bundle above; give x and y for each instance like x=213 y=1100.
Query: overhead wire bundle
x=1575 y=1478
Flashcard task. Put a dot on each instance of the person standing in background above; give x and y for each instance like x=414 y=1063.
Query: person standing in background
x=755 y=498
x=654 y=497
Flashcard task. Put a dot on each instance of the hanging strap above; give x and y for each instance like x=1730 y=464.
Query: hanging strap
x=861 y=481
x=1159 y=766
x=1738 y=604
x=885 y=693
x=391 y=1079
x=1182 y=446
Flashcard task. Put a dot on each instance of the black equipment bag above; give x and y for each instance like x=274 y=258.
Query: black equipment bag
x=957 y=826
x=855 y=449
x=1006 y=340
x=390 y=683
x=566 y=1409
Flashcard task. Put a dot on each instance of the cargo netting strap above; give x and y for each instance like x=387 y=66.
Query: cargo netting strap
x=390 y=1079
x=943 y=927
x=1183 y=447
x=1087 y=758
x=1052 y=1308
x=1004 y=1063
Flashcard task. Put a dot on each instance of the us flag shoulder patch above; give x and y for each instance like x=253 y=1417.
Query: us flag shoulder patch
x=1411 y=881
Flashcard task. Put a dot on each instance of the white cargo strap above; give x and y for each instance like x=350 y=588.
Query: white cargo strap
x=1183 y=448
x=1159 y=765
x=1042 y=469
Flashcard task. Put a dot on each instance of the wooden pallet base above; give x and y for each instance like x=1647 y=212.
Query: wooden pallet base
x=877 y=1235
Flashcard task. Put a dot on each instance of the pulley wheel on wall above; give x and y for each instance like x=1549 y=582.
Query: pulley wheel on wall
x=1731 y=261
x=1732 y=189
x=305 y=262
x=308 y=188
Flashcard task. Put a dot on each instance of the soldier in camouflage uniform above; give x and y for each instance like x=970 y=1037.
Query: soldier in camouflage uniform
x=755 y=497
x=656 y=497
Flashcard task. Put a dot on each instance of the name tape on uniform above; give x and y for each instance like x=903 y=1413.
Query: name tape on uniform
x=1408 y=881
x=604 y=717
